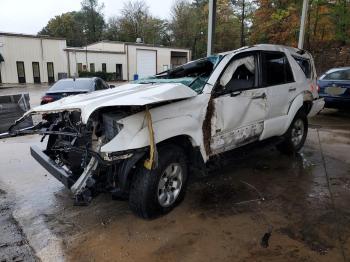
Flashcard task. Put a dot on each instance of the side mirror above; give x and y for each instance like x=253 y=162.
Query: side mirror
x=111 y=86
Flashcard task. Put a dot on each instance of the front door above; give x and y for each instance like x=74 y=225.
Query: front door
x=36 y=72
x=50 y=73
x=119 y=72
x=240 y=105
x=21 y=72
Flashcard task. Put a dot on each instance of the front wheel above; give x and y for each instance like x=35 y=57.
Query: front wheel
x=157 y=192
x=295 y=136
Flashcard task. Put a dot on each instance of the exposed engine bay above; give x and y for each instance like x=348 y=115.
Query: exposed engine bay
x=73 y=148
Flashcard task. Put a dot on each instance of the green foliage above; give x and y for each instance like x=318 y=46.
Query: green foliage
x=93 y=20
x=341 y=17
x=67 y=25
x=79 y=28
x=135 y=22
x=237 y=22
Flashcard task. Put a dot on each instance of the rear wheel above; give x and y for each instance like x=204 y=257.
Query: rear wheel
x=158 y=191
x=295 y=136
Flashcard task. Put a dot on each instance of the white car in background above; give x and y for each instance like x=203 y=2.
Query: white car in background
x=143 y=140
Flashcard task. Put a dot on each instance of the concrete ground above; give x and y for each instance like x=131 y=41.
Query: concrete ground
x=305 y=206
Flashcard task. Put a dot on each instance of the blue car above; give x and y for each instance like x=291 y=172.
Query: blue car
x=335 y=87
x=73 y=86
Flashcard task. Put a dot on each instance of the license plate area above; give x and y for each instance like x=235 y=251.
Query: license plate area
x=335 y=90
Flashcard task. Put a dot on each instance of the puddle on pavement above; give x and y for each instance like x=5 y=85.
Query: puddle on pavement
x=208 y=225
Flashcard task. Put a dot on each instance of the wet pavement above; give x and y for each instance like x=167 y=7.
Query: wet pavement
x=262 y=207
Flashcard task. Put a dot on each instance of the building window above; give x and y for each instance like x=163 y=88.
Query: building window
x=36 y=72
x=104 y=67
x=50 y=72
x=92 y=67
x=79 y=67
x=21 y=72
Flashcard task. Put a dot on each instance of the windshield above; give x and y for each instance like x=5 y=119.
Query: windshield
x=69 y=85
x=193 y=74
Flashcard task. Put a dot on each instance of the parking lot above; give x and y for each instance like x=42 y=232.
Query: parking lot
x=263 y=206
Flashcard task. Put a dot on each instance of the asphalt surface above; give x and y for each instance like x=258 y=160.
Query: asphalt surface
x=261 y=207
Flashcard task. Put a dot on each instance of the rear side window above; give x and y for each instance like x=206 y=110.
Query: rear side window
x=338 y=75
x=304 y=64
x=276 y=69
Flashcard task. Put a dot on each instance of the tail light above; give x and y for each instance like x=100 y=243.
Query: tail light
x=315 y=88
x=46 y=99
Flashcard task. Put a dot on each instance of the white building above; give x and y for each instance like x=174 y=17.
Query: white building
x=34 y=59
x=31 y=59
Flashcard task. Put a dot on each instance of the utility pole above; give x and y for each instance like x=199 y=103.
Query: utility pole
x=211 y=26
x=242 y=23
x=302 y=24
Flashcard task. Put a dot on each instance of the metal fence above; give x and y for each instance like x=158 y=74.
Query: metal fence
x=12 y=107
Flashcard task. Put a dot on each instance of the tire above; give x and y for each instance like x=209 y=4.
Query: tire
x=151 y=190
x=295 y=136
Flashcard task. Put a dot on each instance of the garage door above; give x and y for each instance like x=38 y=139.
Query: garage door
x=146 y=63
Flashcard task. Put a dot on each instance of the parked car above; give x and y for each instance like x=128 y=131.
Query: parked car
x=73 y=86
x=335 y=87
x=143 y=140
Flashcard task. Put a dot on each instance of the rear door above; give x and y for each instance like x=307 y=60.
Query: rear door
x=146 y=62
x=278 y=79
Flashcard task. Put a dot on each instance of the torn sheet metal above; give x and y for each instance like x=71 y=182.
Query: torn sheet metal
x=229 y=140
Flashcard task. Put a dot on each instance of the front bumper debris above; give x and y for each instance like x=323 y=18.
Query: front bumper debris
x=58 y=172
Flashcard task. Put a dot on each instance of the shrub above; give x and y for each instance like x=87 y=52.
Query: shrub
x=104 y=75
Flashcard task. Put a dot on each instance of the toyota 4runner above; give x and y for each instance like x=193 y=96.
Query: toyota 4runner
x=141 y=141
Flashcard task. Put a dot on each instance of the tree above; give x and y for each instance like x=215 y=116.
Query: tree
x=341 y=18
x=135 y=22
x=189 y=21
x=93 y=20
x=184 y=27
x=244 y=10
x=66 y=25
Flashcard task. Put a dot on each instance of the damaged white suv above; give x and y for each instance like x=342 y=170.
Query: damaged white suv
x=142 y=140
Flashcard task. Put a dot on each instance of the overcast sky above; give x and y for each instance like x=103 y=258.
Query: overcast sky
x=30 y=16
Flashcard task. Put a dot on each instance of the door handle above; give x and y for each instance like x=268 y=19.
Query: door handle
x=292 y=89
x=262 y=96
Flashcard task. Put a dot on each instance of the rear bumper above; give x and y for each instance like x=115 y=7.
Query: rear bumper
x=58 y=172
x=317 y=106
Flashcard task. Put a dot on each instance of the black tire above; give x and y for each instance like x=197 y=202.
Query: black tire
x=288 y=146
x=143 y=198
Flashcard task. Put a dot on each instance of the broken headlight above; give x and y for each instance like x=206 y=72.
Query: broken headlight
x=110 y=124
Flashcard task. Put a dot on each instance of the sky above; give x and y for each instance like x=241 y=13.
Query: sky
x=30 y=16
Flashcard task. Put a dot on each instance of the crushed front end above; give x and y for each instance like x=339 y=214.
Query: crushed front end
x=73 y=152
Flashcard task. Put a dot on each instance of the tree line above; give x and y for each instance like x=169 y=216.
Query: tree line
x=238 y=23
